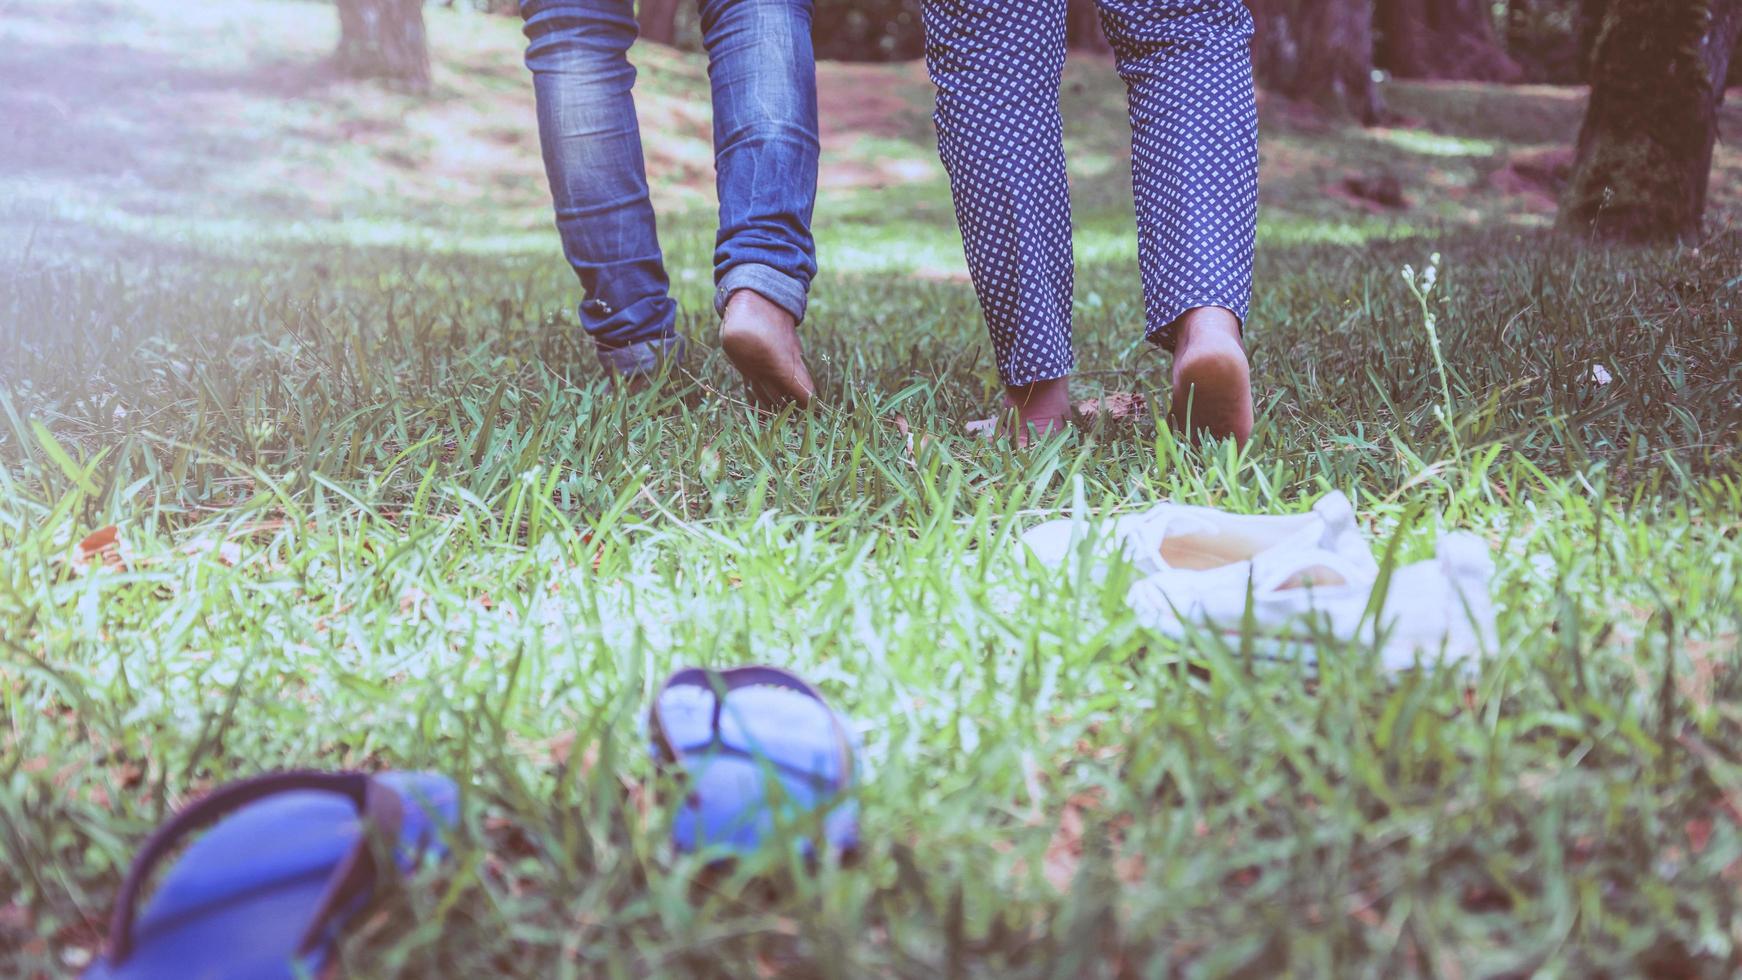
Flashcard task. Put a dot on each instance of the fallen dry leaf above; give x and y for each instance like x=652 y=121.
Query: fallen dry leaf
x=412 y=600
x=1699 y=834
x=1114 y=406
x=102 y=546
x=99 y=539
x=913 y=446
x=984 y=428
x=1711 y=660
x=556 y=750
x=1064 y=849
x=598 y=548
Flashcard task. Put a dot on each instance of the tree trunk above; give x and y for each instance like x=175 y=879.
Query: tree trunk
x=1320 y=51
x=1517 y=20
x=659 y=20
x=1546 y=40
x=1083 y=27
x=1587 y=22
x=1645 y=150
x=1441 y=39
x=384 y=39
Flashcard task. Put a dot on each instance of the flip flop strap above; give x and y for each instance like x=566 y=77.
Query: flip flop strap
x=379 y=805
x=383 y=813
x=722 y=682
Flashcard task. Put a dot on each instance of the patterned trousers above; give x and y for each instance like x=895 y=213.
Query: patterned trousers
x=1187 y=68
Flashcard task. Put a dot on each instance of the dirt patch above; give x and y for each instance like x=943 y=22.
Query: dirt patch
x=838 y=174
x=862 y=100
x=1276 y=113
x=863 y=109
x=856 y=103
x=1538 y=176
x=1379 y=193
x=236 y=111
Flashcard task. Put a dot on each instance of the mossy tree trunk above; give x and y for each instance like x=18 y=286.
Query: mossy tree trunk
x=1441 y=39
x=1319 y=51
x=1587 y=24
x=1645 y=150
x=1550 y=40
x=384 y=39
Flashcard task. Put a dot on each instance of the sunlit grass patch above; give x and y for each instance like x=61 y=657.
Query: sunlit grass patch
x=1434 y=144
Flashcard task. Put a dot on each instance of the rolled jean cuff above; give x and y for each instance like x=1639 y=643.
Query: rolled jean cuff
x=773 y=285
x=642 y=358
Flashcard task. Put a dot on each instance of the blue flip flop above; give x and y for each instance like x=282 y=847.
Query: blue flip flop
x=729 y=731
x=266 y=893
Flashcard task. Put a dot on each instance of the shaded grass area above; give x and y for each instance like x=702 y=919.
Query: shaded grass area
x=376 y=508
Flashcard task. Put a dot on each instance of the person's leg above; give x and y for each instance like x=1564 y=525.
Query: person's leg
x=765 y=152
x=996 y=65
x=1187 y=65
x=578 y=53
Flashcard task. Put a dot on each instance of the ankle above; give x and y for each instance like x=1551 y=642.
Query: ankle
x=748 y=303
x=1044 y=404
x=1206 y=323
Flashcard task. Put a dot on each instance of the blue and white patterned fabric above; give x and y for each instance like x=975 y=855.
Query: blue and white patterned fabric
x=1187 y=67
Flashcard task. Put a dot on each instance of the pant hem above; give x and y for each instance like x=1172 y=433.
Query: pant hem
x=772 y=284
x=644 y=358
x=1023 y=380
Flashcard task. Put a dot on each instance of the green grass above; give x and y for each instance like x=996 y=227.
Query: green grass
x=379 y=510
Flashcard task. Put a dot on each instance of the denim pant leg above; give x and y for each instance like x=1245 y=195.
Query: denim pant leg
x=997 y=65
x=1187 y=66
x=765 y=147
x=578 y=53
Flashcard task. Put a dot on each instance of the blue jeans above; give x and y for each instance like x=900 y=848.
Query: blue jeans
x=765 y=154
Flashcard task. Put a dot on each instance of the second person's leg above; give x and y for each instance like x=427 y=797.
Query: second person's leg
x=578 y=53
x=765 y=149
x=1187 y=65
x=996 y=65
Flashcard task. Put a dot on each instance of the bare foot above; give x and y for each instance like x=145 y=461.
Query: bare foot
x=1212 y=384
x=761 y=340
x=1041 y=408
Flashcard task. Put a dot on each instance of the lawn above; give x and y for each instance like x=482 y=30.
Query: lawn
x=309 y=348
